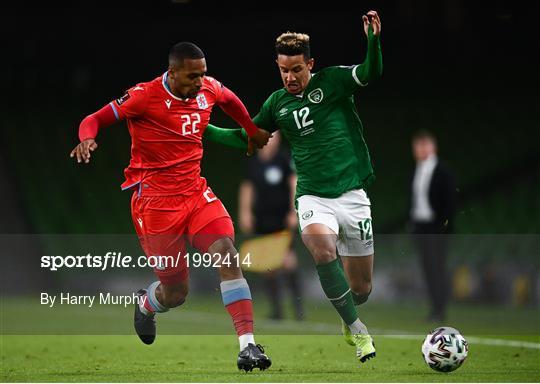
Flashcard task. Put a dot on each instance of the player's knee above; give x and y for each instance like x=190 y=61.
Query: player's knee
x=174 y=297
x=361 y=291
x=223 y=247
x=322 y=247
x=323 y=255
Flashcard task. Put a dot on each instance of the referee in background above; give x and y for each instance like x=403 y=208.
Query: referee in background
x=266 y=205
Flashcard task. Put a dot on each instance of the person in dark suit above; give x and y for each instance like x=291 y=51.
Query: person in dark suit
x=432 y=206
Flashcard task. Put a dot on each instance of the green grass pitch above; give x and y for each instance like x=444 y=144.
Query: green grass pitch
x=310 y=351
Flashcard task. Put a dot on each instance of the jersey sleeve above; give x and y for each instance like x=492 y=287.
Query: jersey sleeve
x=350 y=78
x=216 y=87
x=133 y=104
x=91 y=124
x=236 y=138
x=344 y=78
x=265 y=118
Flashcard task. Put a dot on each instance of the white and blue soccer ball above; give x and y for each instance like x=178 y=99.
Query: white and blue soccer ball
x=445 y=349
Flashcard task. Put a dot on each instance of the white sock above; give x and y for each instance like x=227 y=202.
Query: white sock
x=152 y=300
x=245 y=339
x=358 y=328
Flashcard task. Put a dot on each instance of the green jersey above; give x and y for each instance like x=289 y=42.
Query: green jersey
x=323 y=128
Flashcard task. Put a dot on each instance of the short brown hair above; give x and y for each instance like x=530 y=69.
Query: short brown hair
x=292 y=44
x=424 y=134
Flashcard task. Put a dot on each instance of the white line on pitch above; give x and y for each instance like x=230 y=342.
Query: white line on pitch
x=392 y=334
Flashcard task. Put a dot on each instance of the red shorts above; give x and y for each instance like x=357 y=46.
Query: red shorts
x=164 y=224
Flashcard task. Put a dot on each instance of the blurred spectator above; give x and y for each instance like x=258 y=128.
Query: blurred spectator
x=432 y=206
x=267 y=206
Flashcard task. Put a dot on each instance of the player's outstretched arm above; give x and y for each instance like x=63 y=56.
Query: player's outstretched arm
x=372 y=66
x=88 y=130
x=233 y=106
x=232 y=137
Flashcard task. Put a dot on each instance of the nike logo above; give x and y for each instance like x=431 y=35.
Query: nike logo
x=139 y=221
x=168 y=103
x=138 y=88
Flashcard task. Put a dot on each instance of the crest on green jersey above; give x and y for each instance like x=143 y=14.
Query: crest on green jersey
x=315 y=96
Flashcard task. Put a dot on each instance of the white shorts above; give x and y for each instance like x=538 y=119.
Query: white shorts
x=348 y=215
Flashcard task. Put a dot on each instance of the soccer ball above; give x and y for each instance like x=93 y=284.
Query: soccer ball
x=445 y=349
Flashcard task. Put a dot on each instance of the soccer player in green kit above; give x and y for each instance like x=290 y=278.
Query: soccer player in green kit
x=316 y=114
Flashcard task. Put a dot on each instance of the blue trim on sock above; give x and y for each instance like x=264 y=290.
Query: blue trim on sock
x=152 y=299
x=237 y=294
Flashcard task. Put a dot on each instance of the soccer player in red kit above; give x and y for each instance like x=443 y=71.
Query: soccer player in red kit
x=171 y=202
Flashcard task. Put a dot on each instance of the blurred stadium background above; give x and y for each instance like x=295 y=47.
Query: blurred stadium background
x=462 y=70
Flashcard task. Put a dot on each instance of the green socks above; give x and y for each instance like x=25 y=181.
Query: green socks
x=336 y=288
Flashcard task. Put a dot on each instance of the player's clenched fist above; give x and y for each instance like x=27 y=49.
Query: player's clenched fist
x=261 y=138
x=372 y=18
x=82 y=151
x=259 y=141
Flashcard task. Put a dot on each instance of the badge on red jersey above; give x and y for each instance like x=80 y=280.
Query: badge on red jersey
x=123 y=99
x=201 y=101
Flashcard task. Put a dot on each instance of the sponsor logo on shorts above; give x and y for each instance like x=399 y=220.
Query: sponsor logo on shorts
x=368 y=244
x=307 y=215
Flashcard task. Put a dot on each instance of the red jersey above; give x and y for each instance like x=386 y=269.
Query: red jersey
x=166 y=136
